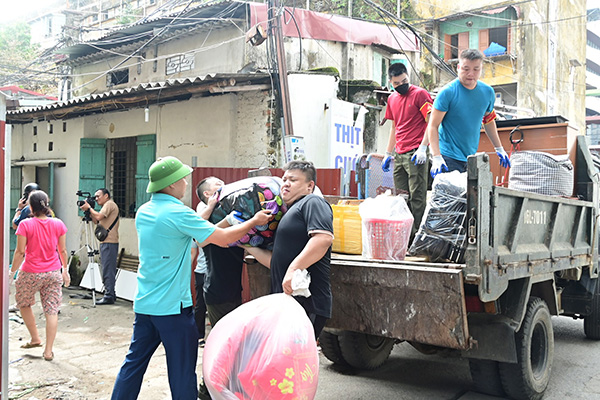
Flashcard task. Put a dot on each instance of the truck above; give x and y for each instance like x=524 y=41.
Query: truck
x=528 y=257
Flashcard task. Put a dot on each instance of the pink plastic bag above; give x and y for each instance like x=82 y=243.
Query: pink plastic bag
x=264 y=349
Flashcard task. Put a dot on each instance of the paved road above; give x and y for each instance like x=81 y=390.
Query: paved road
x=92 y=342
x=409 y=374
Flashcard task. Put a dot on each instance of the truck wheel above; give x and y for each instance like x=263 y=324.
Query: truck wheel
x=529 y=377
x=330 y=346
x=486 y=377
x=364 y=351
x=591 y=323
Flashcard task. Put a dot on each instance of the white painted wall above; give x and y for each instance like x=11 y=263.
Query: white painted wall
x=66 y=146
x=309 y=95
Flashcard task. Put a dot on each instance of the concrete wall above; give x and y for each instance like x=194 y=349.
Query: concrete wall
x=442 y=8
x=548 y=83
x=66 y=146
x=353 y=61
x=217 y=50
x=547 y=36
x=224 y=50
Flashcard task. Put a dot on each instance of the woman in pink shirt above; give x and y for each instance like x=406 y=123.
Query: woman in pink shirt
x=41 y=256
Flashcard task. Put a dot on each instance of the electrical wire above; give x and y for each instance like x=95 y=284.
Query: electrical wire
x=48 y=72
x=299 y=36
x=133 y=53
x=393 y=18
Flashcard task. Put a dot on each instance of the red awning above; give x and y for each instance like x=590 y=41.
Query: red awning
x=499 y=10
x=319 y=26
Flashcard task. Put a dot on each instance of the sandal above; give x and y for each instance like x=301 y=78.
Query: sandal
x=50 y=358
x=30 y=345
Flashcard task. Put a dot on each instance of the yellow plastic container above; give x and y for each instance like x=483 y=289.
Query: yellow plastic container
x=347 y=228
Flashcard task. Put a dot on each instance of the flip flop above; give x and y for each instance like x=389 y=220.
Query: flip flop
x=48 y=358
x=30 y=345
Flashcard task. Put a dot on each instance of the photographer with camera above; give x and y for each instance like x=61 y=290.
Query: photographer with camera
x=108 y=218
x=23 y=211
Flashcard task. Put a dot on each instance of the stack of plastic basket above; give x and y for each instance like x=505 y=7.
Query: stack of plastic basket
x=386 y=227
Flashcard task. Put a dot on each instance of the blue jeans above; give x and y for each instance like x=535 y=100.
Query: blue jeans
x=179 y=336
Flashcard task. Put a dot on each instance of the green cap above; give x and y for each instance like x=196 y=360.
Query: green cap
x=166 y=171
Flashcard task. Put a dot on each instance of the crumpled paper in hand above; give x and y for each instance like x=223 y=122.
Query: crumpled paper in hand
x=300 y=283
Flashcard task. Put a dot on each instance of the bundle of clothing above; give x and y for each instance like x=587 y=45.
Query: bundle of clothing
x=247 y=197
x=263 y=350
x=442 y=235
x=543 y=173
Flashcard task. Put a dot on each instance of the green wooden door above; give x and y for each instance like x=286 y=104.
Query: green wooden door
x=92 y=165
x=146 y=155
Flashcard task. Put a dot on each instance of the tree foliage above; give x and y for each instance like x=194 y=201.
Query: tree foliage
x=22 y=63
x=360 y=9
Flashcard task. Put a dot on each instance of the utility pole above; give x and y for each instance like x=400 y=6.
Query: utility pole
x=275 y=11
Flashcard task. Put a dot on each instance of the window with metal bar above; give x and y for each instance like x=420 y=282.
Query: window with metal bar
x=122 y=165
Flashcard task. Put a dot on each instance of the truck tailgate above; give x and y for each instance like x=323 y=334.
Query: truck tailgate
x=413 y=301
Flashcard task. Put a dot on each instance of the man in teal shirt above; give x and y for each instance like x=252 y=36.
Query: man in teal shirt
x=163 y=302
x=459 y=110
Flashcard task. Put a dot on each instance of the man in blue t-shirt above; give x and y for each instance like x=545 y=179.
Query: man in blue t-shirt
x=458 y=112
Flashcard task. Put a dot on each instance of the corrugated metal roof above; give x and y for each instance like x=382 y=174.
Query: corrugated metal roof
x=143 y=29
x=149 y=90
x=91 y=51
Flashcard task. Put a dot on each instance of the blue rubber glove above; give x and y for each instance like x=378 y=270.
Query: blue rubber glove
x=386 y=163
x=420 y=156
x=504 y=160
x=234 y=218
x=438 y=165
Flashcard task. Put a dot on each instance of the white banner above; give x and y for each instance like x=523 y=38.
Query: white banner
x=346 y=128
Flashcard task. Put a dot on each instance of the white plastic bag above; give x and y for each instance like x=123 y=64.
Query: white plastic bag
x=386 y=227
x=300 y=283
x=263 y=350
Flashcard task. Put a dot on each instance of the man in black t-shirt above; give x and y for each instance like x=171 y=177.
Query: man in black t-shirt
x=222 y=281
x=223 y=278
x=302 y=241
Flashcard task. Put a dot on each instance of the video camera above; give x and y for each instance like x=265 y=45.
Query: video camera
x=88 y=199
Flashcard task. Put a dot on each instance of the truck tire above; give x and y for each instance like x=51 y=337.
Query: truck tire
x=591 y=323
x=364 y=351
x=486 y=377
x=529 y=377
x=330 y=346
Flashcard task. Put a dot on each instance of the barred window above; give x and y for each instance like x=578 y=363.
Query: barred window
x=122 y=165
x=179 y=63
